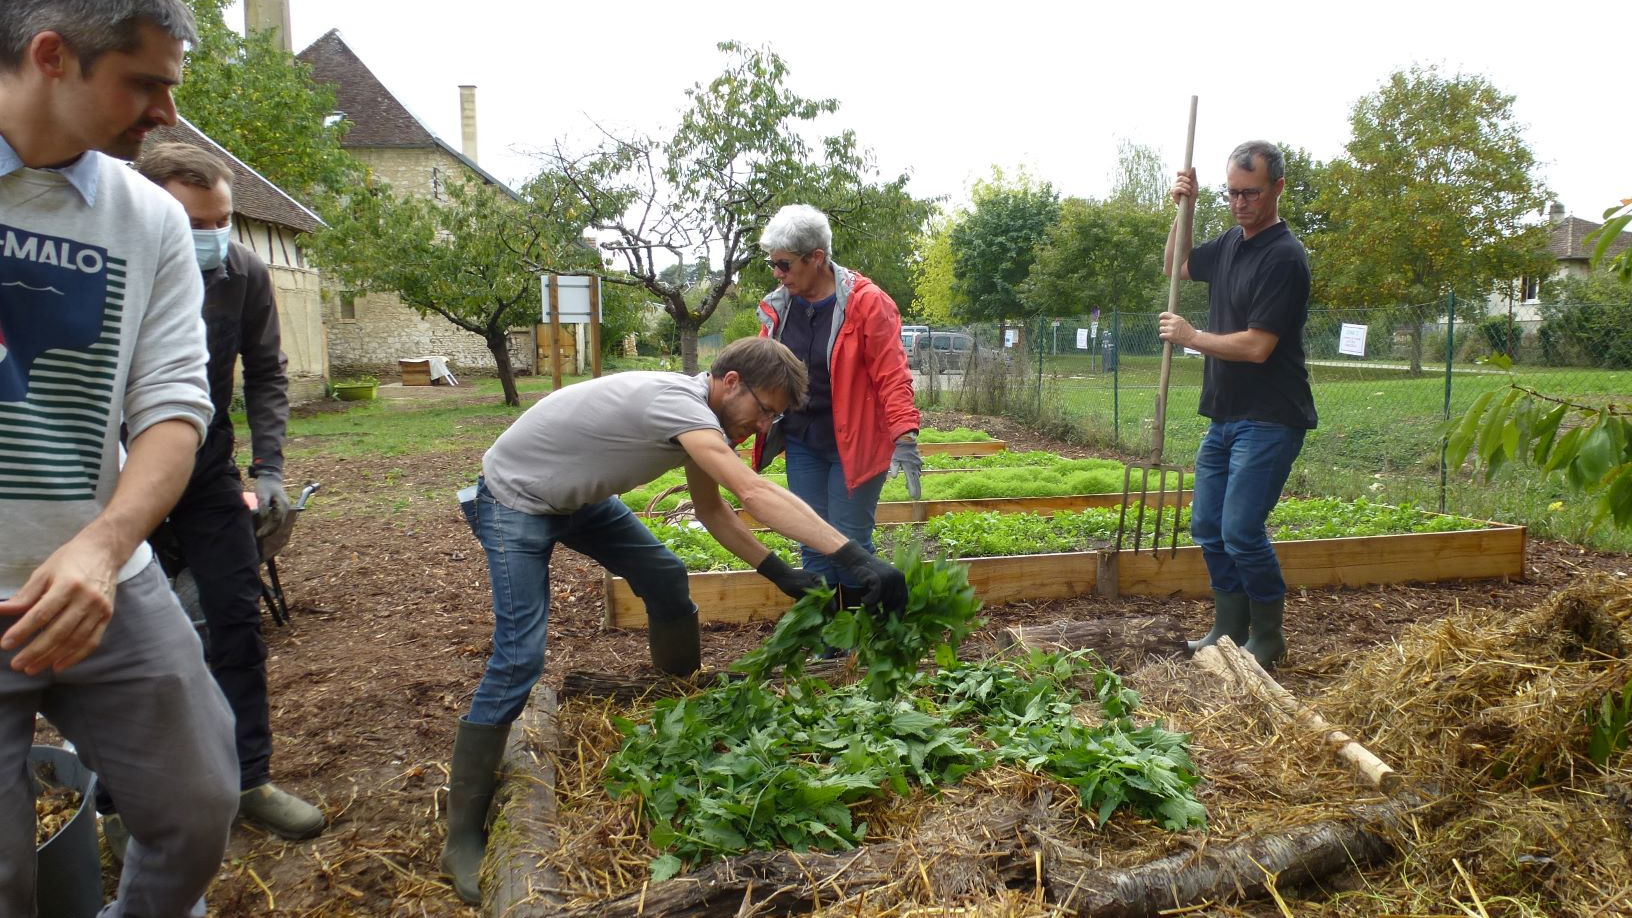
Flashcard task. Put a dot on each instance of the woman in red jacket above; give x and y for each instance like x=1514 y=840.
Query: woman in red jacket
x=858 y=423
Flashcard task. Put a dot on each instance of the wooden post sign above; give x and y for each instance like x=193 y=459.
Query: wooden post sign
x=574 y=299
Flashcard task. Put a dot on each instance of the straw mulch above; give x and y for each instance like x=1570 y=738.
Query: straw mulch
x=1491 y=708
x=1483 y=710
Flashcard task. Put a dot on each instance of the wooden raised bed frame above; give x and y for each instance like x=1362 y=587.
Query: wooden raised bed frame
x=1475 y=554
x=957 y=448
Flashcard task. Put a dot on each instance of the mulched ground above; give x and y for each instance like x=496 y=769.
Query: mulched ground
x=391 y=627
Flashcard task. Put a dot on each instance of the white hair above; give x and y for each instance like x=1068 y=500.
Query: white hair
x=797 y=228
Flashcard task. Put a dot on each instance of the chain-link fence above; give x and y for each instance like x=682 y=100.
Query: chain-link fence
x=1385 y=381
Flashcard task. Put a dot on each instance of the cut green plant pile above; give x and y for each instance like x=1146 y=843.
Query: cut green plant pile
x=993 y=534
x=744 y=765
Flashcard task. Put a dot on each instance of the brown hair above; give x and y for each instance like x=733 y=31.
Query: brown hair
x=163 y=163
x=764 y=364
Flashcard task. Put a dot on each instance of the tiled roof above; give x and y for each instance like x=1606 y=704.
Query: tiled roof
x=377 y=118
x=1569 y=240
x=252 y=195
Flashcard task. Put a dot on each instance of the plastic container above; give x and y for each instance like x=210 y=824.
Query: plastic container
x=69 y=864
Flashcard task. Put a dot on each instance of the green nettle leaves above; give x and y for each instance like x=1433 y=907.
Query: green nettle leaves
x=1590 y=447
x=745 y=766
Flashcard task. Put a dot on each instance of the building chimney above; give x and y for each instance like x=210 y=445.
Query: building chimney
x=268 y=16
x=467 y=120
x=1555 y=214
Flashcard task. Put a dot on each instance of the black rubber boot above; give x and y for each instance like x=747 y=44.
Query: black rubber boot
x=676 y=646
x=1267 y=643
x=1230 y=616
x=474 y=777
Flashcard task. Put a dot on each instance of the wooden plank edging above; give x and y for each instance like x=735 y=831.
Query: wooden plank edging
x=1474 y=554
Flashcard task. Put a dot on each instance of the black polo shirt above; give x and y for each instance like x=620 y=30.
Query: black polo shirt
x=1262 y=282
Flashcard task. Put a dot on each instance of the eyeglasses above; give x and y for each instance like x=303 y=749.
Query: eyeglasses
x=1243 y=194
x=773 y=416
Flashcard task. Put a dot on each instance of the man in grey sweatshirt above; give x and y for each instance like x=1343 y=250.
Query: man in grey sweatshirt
x=100 y=328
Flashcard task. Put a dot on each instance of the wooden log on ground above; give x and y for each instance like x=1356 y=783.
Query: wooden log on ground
x=1243 y=670
x=516 y=882
x=1245 y=867
x=786 y=883
x=1121 y=643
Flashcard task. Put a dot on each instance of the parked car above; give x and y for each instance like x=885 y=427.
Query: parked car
x=944 y=352
x=908 y=333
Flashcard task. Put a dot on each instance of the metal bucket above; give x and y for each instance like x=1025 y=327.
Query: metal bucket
x=69 y=866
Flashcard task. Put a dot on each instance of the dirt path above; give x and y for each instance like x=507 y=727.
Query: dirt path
x=391 y=627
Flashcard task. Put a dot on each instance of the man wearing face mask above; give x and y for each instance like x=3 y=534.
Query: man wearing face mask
x=212 y=524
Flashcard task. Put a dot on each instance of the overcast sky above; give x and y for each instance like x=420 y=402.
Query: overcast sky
x=1050 y=87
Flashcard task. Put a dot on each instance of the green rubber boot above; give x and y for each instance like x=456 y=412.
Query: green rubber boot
x=676 y=646
x=474 y=776
x=1267 y=643
x=1230 y=616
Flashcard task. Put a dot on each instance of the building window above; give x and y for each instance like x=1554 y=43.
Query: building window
x=1530 y=288
x=348 y=306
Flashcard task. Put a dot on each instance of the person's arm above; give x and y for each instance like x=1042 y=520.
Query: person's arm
x=712 y=465
x=67 y=602
x=1253 y=345
x=886 y=363
x=1183 y=187
x=266 y=378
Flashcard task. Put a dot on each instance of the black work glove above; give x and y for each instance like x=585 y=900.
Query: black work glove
x=882 y=586
x=908 y=463
x=271 y=503
x=792 y=581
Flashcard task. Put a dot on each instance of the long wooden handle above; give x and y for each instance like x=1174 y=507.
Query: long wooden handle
x=1241 y=668
x=1185 y=221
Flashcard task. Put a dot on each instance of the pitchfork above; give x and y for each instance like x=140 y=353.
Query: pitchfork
x=1107 y=582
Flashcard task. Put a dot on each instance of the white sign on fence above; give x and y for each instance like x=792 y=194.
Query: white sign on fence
x=1010 y=335
x=1352 y=340
x=1082 y=339
x=573 y=292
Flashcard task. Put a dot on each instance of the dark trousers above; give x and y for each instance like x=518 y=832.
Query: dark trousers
x=215 y=534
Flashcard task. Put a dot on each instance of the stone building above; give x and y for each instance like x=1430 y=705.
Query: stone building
x=271 y=223
x=369 y=334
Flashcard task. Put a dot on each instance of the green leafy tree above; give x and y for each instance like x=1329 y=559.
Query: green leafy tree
x=995 y=245
x=936 y=298
x=261 y=104
x=1301 y=202
x=1430 y=198
x=1100 y=255
x=738 y=154
x=1141 y=179
x=1616 y=220
x=473 y=259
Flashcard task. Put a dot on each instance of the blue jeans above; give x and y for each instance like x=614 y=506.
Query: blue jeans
x=1240 y=470
x=816 y=477
x=518 y=549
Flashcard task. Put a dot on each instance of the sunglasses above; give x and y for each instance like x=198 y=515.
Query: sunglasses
x=782 y=264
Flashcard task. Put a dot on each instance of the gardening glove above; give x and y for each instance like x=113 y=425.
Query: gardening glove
x=271 y=503
x=792 y=581
x=906 y=461
x=882 y=585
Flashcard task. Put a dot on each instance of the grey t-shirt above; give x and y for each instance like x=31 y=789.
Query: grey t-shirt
x=596 y=438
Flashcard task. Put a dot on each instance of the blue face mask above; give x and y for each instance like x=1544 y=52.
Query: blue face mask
x=211 y=247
